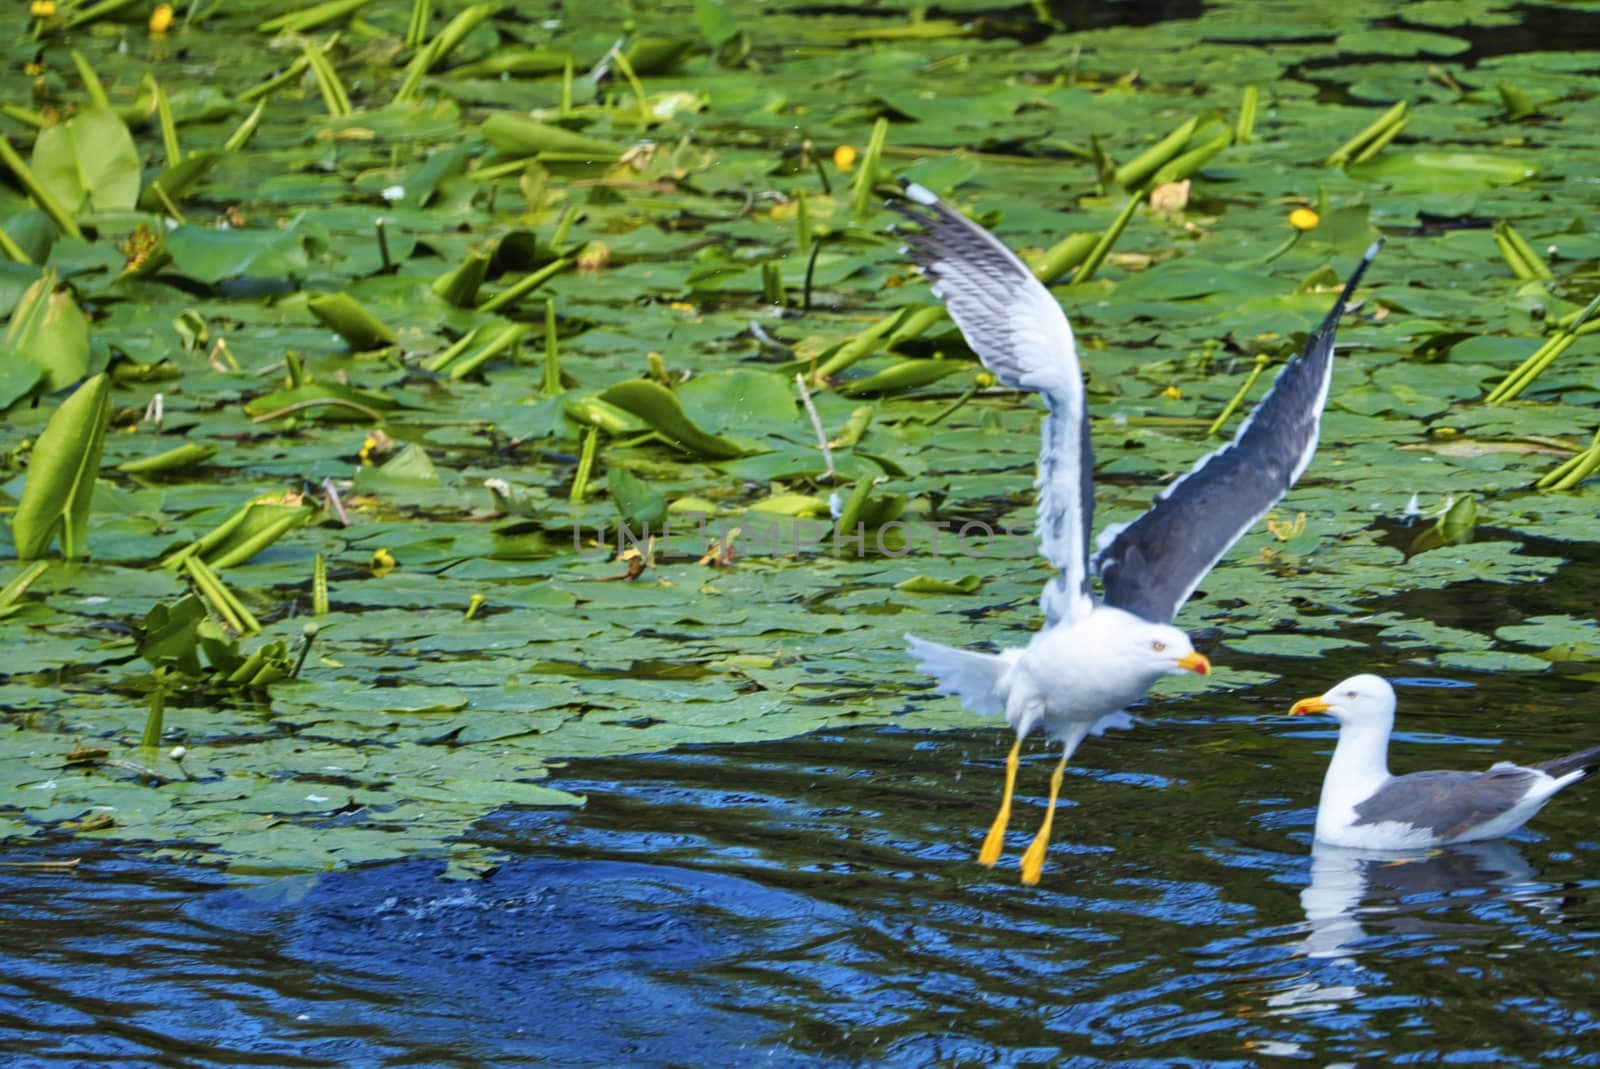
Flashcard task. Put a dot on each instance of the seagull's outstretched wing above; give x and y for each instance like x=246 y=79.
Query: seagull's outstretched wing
x=1019 y=332
x=1151 y=566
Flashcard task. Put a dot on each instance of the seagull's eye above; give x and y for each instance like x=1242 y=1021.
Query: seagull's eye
x=1158 y=646
x=1352 y=694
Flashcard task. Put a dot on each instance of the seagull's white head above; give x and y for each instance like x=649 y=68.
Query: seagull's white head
x=1365 y=700
x=1171 y=650
x=1147 y=651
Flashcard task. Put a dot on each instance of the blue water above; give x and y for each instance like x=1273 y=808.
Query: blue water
x=815 y=902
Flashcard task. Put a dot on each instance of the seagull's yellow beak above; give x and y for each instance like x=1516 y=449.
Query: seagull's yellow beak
x=1309 y=705
x=1195 y=662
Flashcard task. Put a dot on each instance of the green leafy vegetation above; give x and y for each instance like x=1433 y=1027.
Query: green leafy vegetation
x=567 y=375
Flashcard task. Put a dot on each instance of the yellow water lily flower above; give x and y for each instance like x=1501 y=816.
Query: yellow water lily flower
x=1304 y=219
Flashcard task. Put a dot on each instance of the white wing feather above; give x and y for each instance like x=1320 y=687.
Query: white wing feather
x=1019 y=332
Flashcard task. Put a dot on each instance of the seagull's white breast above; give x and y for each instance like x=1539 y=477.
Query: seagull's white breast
x=1074 y=674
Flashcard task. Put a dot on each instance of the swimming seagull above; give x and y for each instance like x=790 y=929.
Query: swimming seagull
x=1364 y=806
x=1093 y=658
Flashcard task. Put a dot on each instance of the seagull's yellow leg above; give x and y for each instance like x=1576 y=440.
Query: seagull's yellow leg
x=997 y=831
x=1033 y=859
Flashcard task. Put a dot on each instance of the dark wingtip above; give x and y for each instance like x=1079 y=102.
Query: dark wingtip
x=1331 y=323
x=1361 y=269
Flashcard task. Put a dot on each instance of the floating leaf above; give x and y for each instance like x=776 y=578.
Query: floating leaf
x=179 y=458
x=740 y=400
x=1442 y=171
x=656 y=405
x=924 y=584
x=792 y=505
x=1491 y=661
x=211 y=255
x=641 y=507
x=325 y=400
x=1396 y=42
x=89 y=162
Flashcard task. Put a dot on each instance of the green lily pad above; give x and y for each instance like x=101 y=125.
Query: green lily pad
x=660 y=409
x=1445 y=172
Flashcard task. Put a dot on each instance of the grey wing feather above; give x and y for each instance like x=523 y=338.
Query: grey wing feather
x=1447 y=803
x=1152 y=565
x=1020 y=333
x=1582 y=761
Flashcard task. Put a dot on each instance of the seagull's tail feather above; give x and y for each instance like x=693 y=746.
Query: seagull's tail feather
x=1582 y=761
x=976 y=678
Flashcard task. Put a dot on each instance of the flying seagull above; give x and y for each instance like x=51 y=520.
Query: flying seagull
x=1364 y=806
x=1092 y=658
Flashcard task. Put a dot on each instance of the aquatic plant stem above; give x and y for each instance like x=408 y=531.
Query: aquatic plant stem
x=1525 y=264
x=1244 y=127
x=816 y=425
x=1262 y=360
x=1097 y=255
x=308 y=635
x=417 y=26
x=580 y=480
x=35 y=189
x=169 y=130
x=319 y=585
x=524 y=286
x=154 y=719
x=1574 y=470
x=12 y=250
x=1384 y=126
x=334 y=97
x=92 y=87
x=1524 y=374
x=802 y=223
x=551 y=384
x=626 y=68
x=867 y=173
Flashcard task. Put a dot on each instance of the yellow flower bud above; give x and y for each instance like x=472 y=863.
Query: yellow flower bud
x=1304 y=219
x=161 y=19
x=844 y=157
x=42 y=9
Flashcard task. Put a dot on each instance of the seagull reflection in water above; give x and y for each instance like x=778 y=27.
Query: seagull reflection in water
x=1400 y=890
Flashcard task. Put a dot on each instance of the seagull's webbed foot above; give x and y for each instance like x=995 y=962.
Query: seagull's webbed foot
x=997 y=831
x=1033 y=858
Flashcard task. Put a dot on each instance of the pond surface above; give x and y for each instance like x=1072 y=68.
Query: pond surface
x=815 y=902
x=724 y=897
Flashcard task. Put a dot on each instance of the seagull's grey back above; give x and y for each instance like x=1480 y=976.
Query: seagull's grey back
x=1446 y=803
